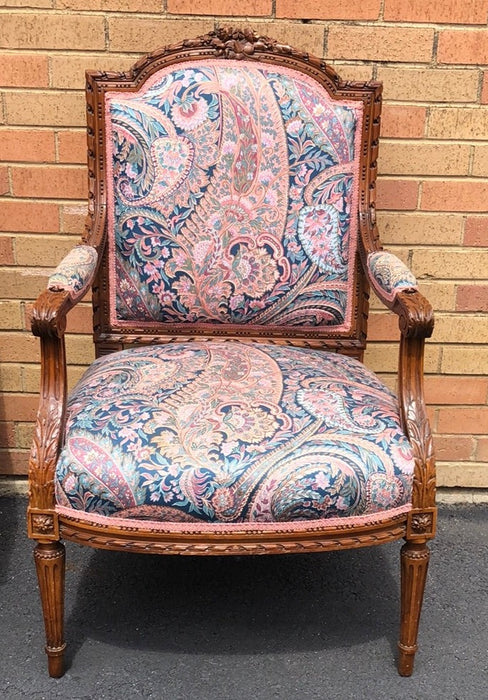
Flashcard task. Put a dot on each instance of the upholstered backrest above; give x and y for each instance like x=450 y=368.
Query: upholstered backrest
x=232 y=192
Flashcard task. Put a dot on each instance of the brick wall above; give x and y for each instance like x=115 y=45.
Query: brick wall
x=433 y=189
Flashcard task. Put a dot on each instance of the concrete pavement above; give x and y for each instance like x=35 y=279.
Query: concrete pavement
x=294 y=627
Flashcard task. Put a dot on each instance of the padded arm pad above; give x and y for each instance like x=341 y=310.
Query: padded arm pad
x=75 y=272
x=388 y=275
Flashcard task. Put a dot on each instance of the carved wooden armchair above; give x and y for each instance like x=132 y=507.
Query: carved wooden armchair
x=230 y=246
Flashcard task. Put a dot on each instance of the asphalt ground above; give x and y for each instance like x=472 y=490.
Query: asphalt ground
x=237 y=628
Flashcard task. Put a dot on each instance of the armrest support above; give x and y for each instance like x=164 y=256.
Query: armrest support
x=49 y=321
x=396 y=287
x=416 y=323
x=66 y=287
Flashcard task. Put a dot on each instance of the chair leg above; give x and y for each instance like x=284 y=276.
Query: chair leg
x=414 y=564
x=49 y=558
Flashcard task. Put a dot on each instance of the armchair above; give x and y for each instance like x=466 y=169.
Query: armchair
x=230 y=245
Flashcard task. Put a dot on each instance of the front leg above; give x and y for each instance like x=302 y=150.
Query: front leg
x=50 y=565
x=414 y=564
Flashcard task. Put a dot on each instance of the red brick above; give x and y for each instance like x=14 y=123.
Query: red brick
x=476 y=231
x=6 y=250
x=327 y=9
x=4 y=183
x=402 y=121
x=441 y=11
x=397 y=194
x=29 y=146
x=432 y=417
x=23 y=70
x=7 y=434
x=460 y=420
x=383 y=327
x=456 y=390
x=80 y=319
x=454 y=195
x=453 y=449
x=252 y=8
x=481 y=454
x=472 y=297
x=14 y=462
x=463 y=46
x=484 y=89
x=40 y=217
x=72 y=147
x=19 y=407
x=50 y=182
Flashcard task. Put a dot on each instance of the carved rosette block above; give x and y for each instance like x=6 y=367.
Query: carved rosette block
x=42 y=525
x=414 y=564
x=421 y=524
x=50 y=567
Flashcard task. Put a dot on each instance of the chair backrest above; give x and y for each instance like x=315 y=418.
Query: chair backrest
x=230 y=175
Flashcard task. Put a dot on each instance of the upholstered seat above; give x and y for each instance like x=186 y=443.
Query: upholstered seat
x=230 y=246
x=231 y=432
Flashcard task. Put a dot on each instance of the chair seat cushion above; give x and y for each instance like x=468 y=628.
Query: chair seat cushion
x=232 y=432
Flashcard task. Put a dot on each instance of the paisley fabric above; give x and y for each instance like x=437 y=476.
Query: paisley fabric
x=388 y=274
x=229 y=432
x=75 y=272
x=232 y=196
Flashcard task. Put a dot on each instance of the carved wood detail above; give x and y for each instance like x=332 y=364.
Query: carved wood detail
x=414 y=418
x=42 y=525
x=421 y=524
x=49 y=323
x=212 y=544
x=50 y=566
x=414 y=564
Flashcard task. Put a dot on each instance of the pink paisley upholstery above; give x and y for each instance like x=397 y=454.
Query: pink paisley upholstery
x=232 y=198
x=75 y=272
x=229 y=432
x=388 y=274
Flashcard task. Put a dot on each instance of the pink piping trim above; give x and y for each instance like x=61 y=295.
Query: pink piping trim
x=353 y=230
x=232 y=528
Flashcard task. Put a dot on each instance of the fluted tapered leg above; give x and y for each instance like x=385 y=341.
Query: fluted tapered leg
x=50 y=558
x=414 y=564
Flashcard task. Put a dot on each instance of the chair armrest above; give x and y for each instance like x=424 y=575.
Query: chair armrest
x=66 y=286
x=75 y=272
x=388 y=275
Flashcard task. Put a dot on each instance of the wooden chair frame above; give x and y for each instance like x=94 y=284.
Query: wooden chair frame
x=414 y=313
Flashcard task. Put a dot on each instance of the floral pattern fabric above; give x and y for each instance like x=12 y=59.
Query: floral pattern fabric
x=75 y=272
x=232 y=196
x=229 y=432
x=389 y=275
